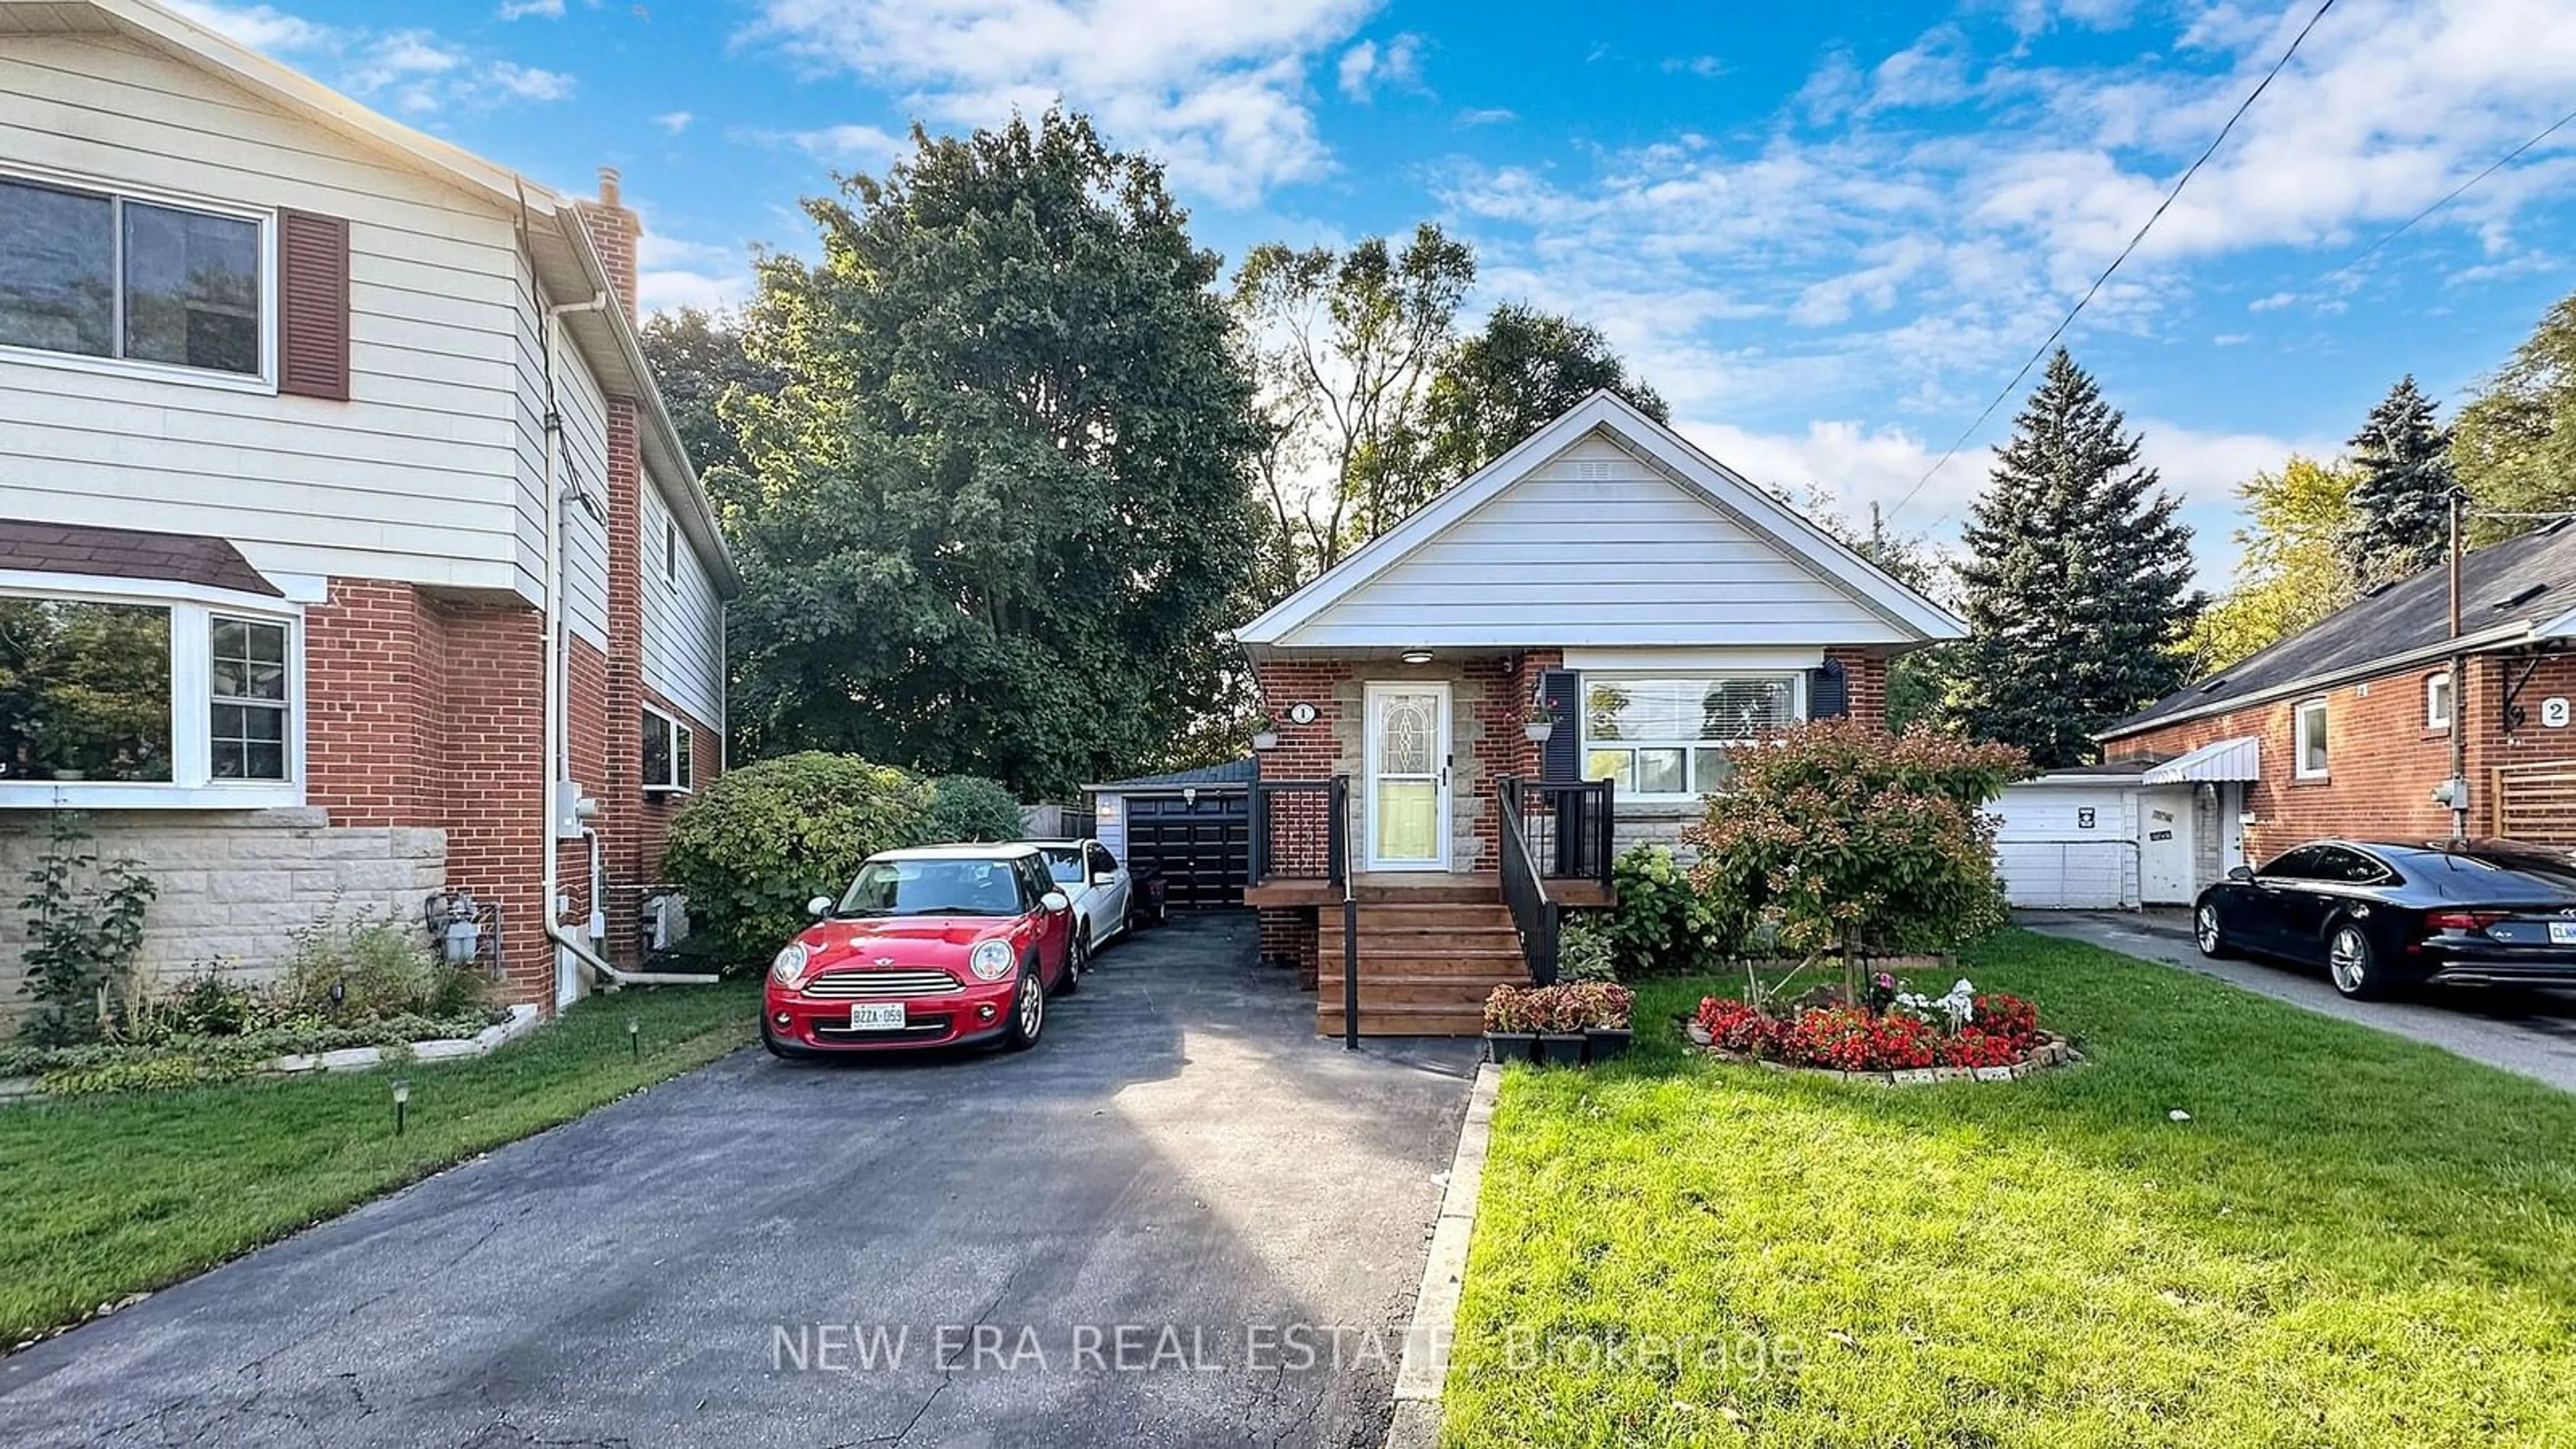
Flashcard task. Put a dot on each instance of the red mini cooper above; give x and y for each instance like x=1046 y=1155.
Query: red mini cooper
x=931 y=947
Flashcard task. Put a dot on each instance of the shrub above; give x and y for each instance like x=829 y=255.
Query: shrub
x=84 y=924
x=1848 y=838
x=761 y=840
x=1583 y=950
x=368 y=969
x=1663 y=924
x=970 y=807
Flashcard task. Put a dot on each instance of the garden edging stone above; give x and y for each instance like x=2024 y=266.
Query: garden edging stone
x=523 y=1020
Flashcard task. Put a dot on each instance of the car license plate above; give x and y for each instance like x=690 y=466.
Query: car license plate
x=2562 y=933
x=877 y=1016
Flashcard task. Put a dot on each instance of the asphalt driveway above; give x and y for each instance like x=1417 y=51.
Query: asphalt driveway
x=1180 y=1220
x=2530 y=1032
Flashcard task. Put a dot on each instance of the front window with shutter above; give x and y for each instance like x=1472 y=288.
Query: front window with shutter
x=1659 y=736
x=100 y=275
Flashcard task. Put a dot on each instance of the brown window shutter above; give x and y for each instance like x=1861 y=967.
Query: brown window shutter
x=313 y=305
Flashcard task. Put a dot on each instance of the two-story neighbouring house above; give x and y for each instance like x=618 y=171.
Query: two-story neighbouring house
x=339 y=517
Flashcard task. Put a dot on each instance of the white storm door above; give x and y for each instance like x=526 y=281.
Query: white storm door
x=1408 y=776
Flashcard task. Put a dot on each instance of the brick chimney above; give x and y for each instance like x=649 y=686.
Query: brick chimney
x=614 y=230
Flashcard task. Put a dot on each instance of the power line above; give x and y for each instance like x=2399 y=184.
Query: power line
x=2501 y=162
x=2069 y=320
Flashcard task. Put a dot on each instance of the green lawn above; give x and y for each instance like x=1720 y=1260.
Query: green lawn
x=104 y=1196
x=2354 y=1240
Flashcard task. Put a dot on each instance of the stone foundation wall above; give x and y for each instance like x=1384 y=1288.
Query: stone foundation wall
x=234 y=886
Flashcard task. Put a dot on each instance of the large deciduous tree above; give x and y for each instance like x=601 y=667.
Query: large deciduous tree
x=996 y=515
x=1513 y=377
x=697 y=358
x=2291 y=568
x=2400 y=512
x=1345 y=345
x=2078 y=580
x=2515 y=444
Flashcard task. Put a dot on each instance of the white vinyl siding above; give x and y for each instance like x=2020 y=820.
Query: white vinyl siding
x=412 y=479
x=683 y=624
x=1594 y=547
x=582 y=463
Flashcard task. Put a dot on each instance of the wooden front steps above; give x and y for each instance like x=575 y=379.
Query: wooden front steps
x=1426 y=964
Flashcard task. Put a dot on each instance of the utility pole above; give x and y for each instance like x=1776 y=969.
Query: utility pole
x=2459 y=785
x=1877 y=540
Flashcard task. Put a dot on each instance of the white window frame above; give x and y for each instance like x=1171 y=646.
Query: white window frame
x=680 y=729
x=2302 y=734
x=265 y=218
x=192 y=784
x=2437 y=686
x=1584 y=743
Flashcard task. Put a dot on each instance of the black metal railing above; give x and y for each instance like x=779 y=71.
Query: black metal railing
x=1534 y=916
x=1568 y=826
x=1298 y=830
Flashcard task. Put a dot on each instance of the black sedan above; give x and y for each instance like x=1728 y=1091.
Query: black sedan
x=2384 y=915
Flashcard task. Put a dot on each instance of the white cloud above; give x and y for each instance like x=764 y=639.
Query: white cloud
x=674 y=121
x=867 y=148
x=1366 y=68
x=1706 y=67
x=1217 y=89
x=413 y=69
x=523 y=9
x=2231 y=339
x=672 y=273
x=1487 y=115
x=2272 y=303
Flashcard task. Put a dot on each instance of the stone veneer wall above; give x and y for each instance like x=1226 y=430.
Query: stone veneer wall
x=234 y=886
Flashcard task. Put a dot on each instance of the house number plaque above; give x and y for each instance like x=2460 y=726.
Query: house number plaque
x=1302 y=713
x=2553 y=712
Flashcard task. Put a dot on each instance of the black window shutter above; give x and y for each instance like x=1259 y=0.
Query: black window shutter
x=1826 y=696
x=1561 y=757
x=313 y=305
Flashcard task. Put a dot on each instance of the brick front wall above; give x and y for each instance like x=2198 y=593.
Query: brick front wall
x=1864 y=683
x=2382 y=762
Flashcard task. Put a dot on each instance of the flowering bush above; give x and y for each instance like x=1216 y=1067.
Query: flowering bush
x=1992 y=1030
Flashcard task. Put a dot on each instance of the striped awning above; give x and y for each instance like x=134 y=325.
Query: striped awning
x=2237 y=759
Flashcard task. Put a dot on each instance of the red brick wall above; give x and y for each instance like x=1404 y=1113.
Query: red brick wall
x=2382 y=763
x=375 y=704
x=1864 y=683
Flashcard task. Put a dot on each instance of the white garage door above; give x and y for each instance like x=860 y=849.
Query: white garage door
x=2068 y=847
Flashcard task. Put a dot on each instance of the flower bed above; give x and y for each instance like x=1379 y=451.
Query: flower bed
x=202 y=1060
x=1892 y=1035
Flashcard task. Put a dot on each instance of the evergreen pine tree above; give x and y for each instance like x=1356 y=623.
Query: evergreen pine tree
x=2401 y=519
x=2078 y=580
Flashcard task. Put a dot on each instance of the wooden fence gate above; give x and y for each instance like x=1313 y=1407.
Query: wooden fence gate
x=2537 y=802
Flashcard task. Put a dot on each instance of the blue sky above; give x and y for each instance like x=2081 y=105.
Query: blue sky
x=1827 y=233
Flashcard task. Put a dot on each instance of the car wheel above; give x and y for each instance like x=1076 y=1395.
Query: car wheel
x=1077 y=959
x=2209 y=933
x=1028 y=1013
x=2353 y=965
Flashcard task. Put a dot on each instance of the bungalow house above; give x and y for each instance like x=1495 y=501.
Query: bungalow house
x=1606 y=573
x=347 y=554
x=2351 y=727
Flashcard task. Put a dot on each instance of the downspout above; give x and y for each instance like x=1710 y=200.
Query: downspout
x=558 y=640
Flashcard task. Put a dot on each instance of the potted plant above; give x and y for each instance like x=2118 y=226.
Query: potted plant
x=1510 y=1034
x=1560 y=1013
x=1607 y=1027
x=1538 y=722
x=1265 y=733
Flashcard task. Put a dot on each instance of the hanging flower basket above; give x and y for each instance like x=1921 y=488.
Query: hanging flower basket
x=1265 y=739
x=1539 y=730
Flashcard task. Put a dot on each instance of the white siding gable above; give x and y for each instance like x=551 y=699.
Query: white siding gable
x=1596 y=547
x=412 y=479
x=683 y=623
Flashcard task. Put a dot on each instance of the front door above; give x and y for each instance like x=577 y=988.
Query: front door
x=1408 y=776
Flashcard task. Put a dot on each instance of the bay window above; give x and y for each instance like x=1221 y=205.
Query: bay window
x=93 y=274
x=1667 y=736
x=134 y=702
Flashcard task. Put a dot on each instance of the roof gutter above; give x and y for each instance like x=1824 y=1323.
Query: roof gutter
x=2528 y=631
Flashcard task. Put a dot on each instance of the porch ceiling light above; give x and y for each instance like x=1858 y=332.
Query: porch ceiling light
x=1416 y=656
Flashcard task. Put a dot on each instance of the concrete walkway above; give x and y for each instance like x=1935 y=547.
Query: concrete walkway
x=2529 y=1032
x=1180 y=1220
